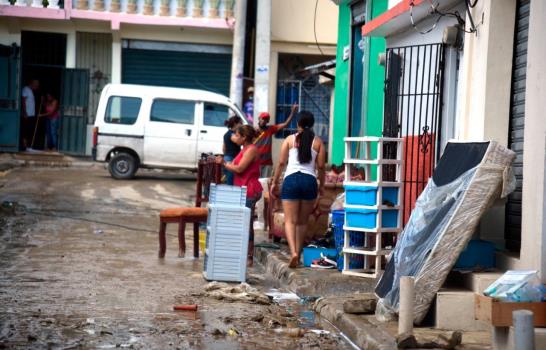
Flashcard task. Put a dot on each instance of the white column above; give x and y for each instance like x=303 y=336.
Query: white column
x=116 y=57
x=71 y=50
x=533 y=220
x=407 y=297
x=263 y=48
x=238 y=55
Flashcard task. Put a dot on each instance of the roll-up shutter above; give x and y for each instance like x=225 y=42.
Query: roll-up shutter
x=195 y=70
x=517 y=123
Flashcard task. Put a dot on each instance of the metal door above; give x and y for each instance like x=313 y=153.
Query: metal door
x=74 y=102
x=414 y=81
x=512 y=233
x=9 y=98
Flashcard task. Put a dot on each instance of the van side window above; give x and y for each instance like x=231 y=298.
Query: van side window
x=173 y=111
x=215 y=114
x=122 y=110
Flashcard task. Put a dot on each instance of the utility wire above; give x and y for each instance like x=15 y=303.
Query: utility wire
x=456 y=14
x=315 y=28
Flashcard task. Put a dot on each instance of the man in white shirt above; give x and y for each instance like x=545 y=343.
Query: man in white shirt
x=28 y=107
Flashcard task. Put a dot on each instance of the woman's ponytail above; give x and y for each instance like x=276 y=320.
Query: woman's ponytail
x=304 y=139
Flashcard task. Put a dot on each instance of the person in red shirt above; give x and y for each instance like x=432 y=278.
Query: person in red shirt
x=264 y=140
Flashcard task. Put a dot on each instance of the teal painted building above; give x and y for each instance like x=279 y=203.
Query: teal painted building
x=358 y=99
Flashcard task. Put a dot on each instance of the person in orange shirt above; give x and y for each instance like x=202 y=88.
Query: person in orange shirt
x=264 y=140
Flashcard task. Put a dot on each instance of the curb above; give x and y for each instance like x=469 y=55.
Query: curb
x=357 y=328
x=307 y=282
x=333 y=288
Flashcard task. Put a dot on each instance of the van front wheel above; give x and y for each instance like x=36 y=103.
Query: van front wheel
x=122 y=166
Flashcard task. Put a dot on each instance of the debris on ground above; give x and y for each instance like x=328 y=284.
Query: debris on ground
x=281 y=296
x=447 y=341
x=291 y=332
x=234 y=293
x=192 y=307
x=361 y=305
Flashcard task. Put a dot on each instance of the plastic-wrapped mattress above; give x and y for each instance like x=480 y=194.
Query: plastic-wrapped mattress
x=467 y=180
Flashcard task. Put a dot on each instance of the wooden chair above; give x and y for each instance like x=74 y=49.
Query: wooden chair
x=208 y=171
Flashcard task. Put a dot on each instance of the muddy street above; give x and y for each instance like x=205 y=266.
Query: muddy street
x=79 y=269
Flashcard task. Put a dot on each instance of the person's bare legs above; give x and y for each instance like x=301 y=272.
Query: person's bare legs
x=305 y=210
x=290 y=208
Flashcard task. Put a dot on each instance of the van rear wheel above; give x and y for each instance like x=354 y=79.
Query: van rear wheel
x=123 y=166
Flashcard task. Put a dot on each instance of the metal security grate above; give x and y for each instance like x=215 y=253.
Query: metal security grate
x=413 y=111
x=311 y=96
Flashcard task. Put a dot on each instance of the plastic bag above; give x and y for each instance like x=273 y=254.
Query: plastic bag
x=338 y=202
x=517 y=286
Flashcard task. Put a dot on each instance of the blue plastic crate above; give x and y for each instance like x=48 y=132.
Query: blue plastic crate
x=311 y=253
x=367 y=195
x=478 y=254
x=356 y=261
x=356 y=239
x=367 y=218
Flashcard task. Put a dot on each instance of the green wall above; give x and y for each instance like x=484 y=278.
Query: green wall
x=374 y=76
x=341 y=87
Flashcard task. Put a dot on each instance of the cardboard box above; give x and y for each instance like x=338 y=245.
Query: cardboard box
x=499 y=314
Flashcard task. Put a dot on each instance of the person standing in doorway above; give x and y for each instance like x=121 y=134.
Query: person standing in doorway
x=52 y=121
x=304 y=156
x=264 y=140
x=248 y=106
x=28 y=108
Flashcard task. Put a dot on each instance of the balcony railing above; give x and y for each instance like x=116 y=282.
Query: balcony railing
x=53 y=4
x=208 y=13
x=178 y=8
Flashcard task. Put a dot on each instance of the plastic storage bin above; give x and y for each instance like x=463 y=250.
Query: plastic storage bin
x=356 y=239
x=478 y=254
x=367 y=218
x=227 y=243
x=367 y=195
x=227 y=195
x=311 y=253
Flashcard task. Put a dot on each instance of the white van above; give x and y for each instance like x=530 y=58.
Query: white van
x=158 y=127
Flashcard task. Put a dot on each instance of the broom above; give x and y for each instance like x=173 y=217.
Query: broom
x=37 y=122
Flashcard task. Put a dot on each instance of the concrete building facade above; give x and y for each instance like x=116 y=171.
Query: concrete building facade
x=183 y=43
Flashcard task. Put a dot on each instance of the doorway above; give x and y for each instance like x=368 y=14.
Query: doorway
x=43 y=59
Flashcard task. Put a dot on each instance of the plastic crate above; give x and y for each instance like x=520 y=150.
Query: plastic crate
x=227 y=243
x=478 y=254
x=367 y=195
x=227 y=218
x=311 y=253
x=356 y=239
x=227 y=195
x=367 y=218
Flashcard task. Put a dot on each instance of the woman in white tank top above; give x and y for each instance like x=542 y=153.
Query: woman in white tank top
x=304 y=156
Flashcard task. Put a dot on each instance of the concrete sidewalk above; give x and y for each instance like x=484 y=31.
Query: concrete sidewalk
x=43 y=159
x=333 y=289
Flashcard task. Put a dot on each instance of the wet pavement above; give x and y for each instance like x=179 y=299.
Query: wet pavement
x=79 y=269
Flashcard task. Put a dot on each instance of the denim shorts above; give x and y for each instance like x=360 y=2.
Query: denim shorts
x=299 y=186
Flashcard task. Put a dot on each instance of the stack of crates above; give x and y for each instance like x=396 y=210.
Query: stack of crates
x=228 y=227
x=373 y=207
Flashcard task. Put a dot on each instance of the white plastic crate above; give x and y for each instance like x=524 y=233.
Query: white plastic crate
x=227 y=243
x=229 y=195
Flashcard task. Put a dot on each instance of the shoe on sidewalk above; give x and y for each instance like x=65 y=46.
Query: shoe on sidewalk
x=324 y=263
